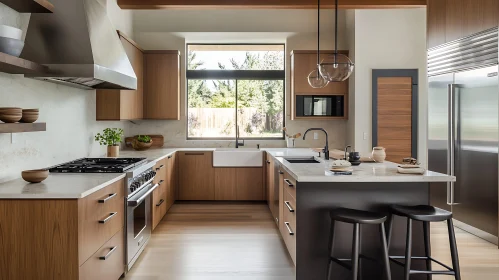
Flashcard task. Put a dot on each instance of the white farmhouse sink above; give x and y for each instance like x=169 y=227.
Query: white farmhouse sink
x=242 y=157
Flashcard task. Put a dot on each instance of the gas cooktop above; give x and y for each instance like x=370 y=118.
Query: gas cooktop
x=98 y=165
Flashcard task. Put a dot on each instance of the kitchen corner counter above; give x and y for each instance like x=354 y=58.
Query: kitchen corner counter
x=59 y=186
x=366 y=172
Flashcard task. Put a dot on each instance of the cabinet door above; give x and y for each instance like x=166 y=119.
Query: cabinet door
x=249 y=184
x=302 y=64
x=162 y=86
x=225 y=183
x=435 y=14
x=196 y=176
x=170 y=179
x=159 y=195
x=269 y=182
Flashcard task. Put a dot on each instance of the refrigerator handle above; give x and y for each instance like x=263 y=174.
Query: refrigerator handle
x=451 y=142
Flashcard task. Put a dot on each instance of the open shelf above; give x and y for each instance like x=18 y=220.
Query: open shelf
x=30 y=6
x=22 y=127
x=15 y=65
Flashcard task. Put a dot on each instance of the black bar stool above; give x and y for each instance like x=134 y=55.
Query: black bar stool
x=357 y=217
x=425 y=214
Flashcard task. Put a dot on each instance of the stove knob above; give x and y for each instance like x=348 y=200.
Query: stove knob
x=153 y=173
x=134 y=186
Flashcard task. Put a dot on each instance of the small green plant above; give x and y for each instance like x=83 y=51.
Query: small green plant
x=144 y=139
x=110 y=137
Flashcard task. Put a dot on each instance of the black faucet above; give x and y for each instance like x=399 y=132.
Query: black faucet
x=326 y=148
x=237 y=138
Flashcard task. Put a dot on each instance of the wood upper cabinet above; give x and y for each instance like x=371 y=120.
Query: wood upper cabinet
x=162 y=85
x=449 y=20
x=124 y=104
x=196 y=176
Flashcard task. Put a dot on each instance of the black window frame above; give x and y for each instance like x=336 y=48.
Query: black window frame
x=235 y=75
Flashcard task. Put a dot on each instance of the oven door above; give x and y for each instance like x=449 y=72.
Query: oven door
x=138 y=222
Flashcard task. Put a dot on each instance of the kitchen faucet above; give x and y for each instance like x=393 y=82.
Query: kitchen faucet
x=326 y=148
x=237 y=138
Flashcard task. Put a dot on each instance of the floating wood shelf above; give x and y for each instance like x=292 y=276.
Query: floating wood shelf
x=22 y=127
x=15 y=65
x=30 y=6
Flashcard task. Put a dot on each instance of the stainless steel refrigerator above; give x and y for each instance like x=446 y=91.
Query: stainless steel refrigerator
x=463 y=130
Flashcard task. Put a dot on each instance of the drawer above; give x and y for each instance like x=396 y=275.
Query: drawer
x=289 y=208
x=289 y=184
x=158 y=205
x=108 y=263
x=100 y=216
x=289 y=236
x=161 y=170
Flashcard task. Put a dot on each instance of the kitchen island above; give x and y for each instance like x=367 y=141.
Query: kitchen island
x=372 y=187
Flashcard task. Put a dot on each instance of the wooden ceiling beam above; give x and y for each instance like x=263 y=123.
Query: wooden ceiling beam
x=267 y=4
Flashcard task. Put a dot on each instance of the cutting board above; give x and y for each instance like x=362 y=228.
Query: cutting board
x=157 y=141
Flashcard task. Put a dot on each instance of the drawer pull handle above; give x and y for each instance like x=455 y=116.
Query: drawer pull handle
x=194 y=154
x=160 y=202
x=111 y=215
x=289 y=206
x=161 y=166
x=280 y=172
x=169 y=156
x=288 y=183
x=107 y=198
x=160 y=182
x=111 y=251
x=289 y=228
x=268 y=161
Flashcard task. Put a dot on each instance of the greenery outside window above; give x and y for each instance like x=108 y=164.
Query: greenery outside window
x=229 y=85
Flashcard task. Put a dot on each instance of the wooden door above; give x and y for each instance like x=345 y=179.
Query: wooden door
x=249 y=184
x=394 y=106
x=225 y=183
x=162 y=85
x=196 y=176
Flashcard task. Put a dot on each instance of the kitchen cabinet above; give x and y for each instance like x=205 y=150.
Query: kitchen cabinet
x=30 y=6
x=62 y=239
x=269 y=180
x=287 y=204
x=124 y=104
x=249 y=183
x=225 y=183
x=159 y=195
x=171 y=179
x=196 y=176
x=302 y=63
x=449 y=20
x=162 y=85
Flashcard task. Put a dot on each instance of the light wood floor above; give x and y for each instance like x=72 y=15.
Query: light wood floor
x=240 y=242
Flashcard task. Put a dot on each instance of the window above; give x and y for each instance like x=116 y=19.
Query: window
x=235 y=85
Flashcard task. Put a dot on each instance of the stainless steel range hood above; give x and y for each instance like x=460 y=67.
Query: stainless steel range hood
x=80 y=46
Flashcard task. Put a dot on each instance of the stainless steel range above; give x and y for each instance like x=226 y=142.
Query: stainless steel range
x=139 y=185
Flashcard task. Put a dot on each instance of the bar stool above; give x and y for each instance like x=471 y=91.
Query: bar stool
x=357 y=218
x=425 y=214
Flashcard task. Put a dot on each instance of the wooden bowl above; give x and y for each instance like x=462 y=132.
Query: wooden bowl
x=35 y=176
x=140 y=146
x=29 y=116
x=10 y=118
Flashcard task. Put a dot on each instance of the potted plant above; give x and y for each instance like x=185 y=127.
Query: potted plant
x=141 y=143
x=111 y=137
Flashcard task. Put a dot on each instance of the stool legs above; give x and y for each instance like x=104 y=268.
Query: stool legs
x=384 y=245
x=453 y=250
x=408 y=250
x=330 y=247
x=355 y=251
x=427 y=248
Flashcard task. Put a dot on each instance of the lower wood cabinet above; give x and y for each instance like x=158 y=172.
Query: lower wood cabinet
x=159 y=195
x=196 y=176
x=239 y=183
x=62 y=239
x=171 y=179
x=287 y=204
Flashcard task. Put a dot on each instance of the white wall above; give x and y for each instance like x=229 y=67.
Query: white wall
x=172 y=29
x=68 y=112
x=386 y=39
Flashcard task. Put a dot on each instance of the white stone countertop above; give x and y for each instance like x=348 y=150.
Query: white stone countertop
x=75 y=186
x=365 y=172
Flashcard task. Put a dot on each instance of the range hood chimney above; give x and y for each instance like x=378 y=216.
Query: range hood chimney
x=80 y=46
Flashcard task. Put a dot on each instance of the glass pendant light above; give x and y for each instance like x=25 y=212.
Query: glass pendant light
x=315 y=79
x=336 y=67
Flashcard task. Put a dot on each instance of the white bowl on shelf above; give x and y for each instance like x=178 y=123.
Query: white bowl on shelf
x=11 y=32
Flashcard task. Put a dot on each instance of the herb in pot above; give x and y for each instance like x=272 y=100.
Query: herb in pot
x=110 y=137
x=144 y=139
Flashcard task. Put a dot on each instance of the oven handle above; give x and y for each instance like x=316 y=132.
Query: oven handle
x=138 y=201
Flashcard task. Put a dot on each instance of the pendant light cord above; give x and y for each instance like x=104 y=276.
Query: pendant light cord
x=318 y=31
x=336 y=31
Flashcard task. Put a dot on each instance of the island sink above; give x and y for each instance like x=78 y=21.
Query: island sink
x=301 y=160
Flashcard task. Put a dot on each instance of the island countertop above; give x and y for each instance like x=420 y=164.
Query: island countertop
x=365 y=172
